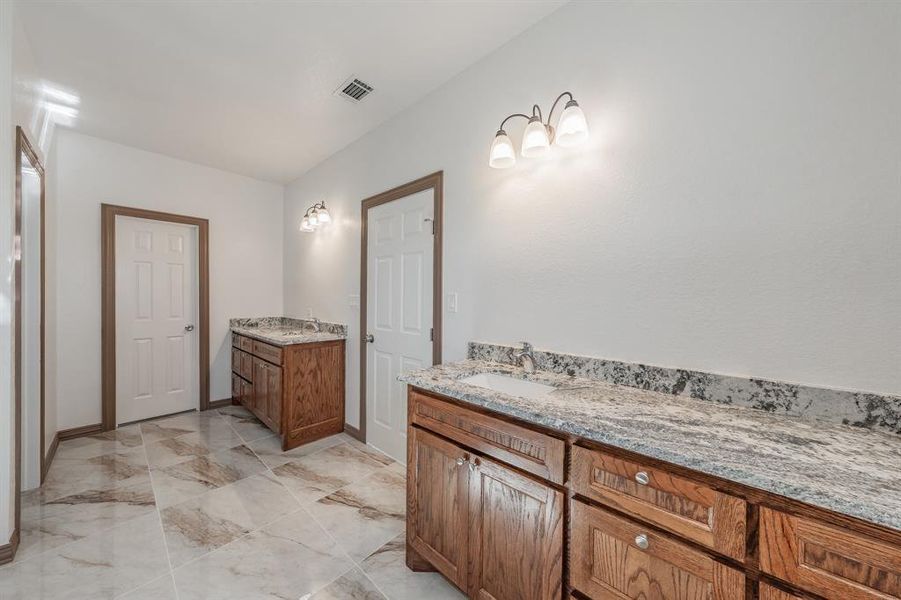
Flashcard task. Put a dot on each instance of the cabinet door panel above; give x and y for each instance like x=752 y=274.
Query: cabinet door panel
x=515 y=536
x=437 y=489
x=314 y=388
x=246 y=394
x=274 y=397
x=612 y=557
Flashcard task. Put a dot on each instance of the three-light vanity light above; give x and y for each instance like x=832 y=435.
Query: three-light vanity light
x=572 y=130
x=316 y=216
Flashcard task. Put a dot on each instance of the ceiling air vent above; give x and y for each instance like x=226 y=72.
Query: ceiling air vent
x=354 y=90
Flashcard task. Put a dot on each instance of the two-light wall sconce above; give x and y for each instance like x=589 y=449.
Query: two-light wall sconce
x=572 y=130
x=316 y=216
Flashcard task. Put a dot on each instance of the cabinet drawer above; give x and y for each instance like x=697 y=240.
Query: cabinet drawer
x=828 y=560
x=613 y=558
x=246 y=369
x=268 y=352
x=244 y=343
x=523 y=448
x=679 y=505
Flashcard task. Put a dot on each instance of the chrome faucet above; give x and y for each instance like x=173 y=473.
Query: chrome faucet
x=524 y=358
x=317 y=325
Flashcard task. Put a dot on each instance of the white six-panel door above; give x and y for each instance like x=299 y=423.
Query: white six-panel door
x=398 y=313
x=156 y=318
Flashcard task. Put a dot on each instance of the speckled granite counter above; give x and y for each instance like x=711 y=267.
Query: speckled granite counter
x=285 y=331
x=850 y=470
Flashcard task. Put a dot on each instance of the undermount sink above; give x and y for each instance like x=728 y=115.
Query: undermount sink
x=509 y=385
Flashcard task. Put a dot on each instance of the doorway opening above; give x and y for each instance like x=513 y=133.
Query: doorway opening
x=400 y=303
x=28 y=313
x=154 y=314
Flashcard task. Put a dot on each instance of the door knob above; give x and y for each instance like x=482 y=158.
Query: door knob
x=369 y=338
x=189 y=328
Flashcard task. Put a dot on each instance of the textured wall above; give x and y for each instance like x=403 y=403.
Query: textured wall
x=736 y=210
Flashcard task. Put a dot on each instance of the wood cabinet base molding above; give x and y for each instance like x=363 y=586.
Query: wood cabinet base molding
x=510 y=511
x=296 y=391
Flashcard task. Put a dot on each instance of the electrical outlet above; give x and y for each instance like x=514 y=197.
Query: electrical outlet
x=309 y=313
x=353 y=300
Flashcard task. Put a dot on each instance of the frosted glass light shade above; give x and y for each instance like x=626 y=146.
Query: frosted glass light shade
x=502 y=154
x=535 y=140
x=573 y=128
x=313 y=219
x=323 y=216
x=305 y=224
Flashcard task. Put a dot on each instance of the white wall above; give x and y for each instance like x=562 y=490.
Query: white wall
x=245 y=252
x=736 y=210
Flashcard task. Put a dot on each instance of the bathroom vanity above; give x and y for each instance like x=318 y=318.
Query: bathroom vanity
x=594 y=490
x=290 y=374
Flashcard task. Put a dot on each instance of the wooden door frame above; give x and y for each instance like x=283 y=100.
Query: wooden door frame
x=435 y=182
x=24 y=146
x=108 y=214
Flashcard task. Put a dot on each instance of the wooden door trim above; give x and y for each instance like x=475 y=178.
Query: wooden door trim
x=108 y=214
x=435 y=182
x=24 y=146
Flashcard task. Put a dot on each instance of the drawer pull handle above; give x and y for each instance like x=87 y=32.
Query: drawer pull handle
x=641 y=540
x=641 y=478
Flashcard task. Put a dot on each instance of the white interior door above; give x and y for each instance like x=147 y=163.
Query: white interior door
x=398 y=313
x=156 y=317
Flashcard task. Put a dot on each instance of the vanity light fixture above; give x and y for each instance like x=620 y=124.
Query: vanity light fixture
x=316 y=217
x=572 y=130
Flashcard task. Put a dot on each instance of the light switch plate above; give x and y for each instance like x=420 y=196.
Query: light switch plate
x=353 y=300
x=452 y=302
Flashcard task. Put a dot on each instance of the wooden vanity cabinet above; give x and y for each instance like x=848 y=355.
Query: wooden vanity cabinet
x=503 y=509
x=297 y=391
x=491 y=531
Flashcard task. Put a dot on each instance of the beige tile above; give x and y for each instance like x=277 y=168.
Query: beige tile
x=312 y=477
x=194 y=477
x=269 y=448
x=387 y=568
x=200 y=525
x=353 y=585
x=100 y=566
x=290 y=558
x=365 y=515
x=162 y=588
x=77 y=516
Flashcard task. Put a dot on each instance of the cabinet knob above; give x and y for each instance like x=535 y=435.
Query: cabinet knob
x=641 y=540
x=642 y=478
x=460 y=461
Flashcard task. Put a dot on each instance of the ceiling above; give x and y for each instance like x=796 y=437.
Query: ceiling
x=248 y=86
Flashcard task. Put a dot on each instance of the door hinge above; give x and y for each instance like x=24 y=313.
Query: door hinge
x=431 y=334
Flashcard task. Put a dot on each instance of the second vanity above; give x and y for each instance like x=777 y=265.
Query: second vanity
x=290 y=374
x=544 y=486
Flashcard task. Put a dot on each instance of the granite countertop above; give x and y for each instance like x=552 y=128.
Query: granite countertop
x=849 y=470
x=285 y=331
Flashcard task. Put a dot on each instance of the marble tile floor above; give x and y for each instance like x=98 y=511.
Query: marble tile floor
x=207 y=506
